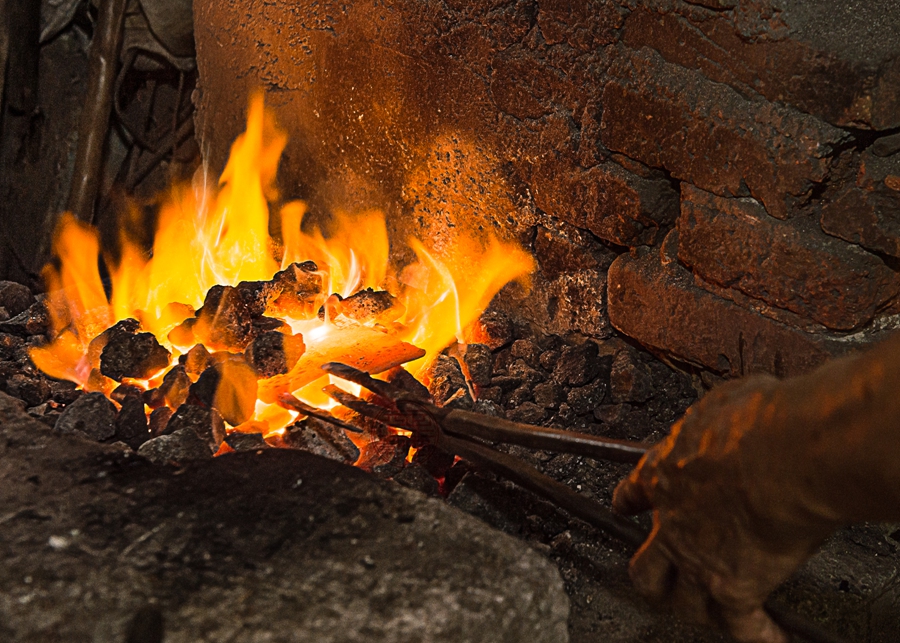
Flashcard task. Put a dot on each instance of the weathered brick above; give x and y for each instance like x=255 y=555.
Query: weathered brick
x=789 y=264
x=708 y=134
x=837 y=60
x=613 y=203
x=661 y=307
x=867 y=212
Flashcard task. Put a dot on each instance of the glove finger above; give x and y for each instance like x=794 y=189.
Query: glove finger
x=652 y=572
x=754 y=626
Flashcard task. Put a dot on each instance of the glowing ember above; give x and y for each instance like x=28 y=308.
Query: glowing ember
x=270 y=314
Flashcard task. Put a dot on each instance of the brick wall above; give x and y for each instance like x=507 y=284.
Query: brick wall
x=719 y=179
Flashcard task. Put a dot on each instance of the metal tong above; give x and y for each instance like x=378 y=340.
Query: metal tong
x=466 y=435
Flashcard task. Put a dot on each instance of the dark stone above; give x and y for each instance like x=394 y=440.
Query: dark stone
x=706 y=133
x=273 y=353
x=489 y=407
x=549 y=359
x=446 y=381
x=123 y=391
x=229 y=386
x=138 y=356
x=414 y=476
x=175 y=386
x=64 y=392
x=154 y=398
x=385 y=458
x=131 y=423
x=241 y=528
x=32 y=390
x=548 y=394
x=370 y=305
x=34 y=321
x=434 y=460
x=886 y=145
x=225 y=322
x=15 y=297
x=629 y=380
x=91 y=415
x=520 y=396
x=204 y=422
x=585 y=399
x=321 y=438
x=178 y=446
x=246 y=441
x=258 y=295
x=266 y=324
x=526 y=350
x=301 y=284
x=493 y=329
x=577 y=365
x=196 y=360
x=527 y=375
x=613 y=203
x=527 y=413
x=491 y=393
x=834 y=60
x=10 y=345
x=864 y=210
x=159 y=420
x=506 y=383
x=479 y=362
x=661 y=306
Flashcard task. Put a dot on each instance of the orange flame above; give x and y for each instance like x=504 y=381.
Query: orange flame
x=210 y=236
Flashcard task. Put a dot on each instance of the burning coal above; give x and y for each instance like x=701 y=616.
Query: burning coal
x=222 y=317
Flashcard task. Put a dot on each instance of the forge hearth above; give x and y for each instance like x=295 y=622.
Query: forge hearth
x=708 y=189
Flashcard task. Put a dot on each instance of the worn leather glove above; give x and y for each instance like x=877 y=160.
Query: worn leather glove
x=728 y=527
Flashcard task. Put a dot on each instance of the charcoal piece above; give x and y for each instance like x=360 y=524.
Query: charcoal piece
x=526 y=350
x=493 y=329
x=264 y=324
x=435 y=460
x=32 y=390
x=502 y=360
x=230 y=386
x=195 y=361
x=301 y=284
x=506 y=383
x=629 y=380
x=404 y=380
x=487 y=407
x=577 y=365
x=246 y=441
x=131 y=423
x=527 y=413
x=273 y=353
x=91 y=415
x=370 y=305
x=175 y=386
x=528 y=375
x=96 y=346
x=446 y=381
x=491 y=393
x=180 y=446
x=10 y=345
x=453 y=476
x=33 y=321
x=521 y=395
x=585 y=399
x=258 y=295
x=385 y=458
x=159 y=420
x=183 y=334
x=64 y=392
x=225 y=321
x=137 y=356
x=479 y=362
x=154 y=398
x=321 y=438
x=124 y=391
x=548 y=395
x=565 y=414
x=548 y=360
x=15 y=297
x=205 y=422
x=416 y=477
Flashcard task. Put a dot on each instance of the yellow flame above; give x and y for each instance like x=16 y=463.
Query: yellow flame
x=218 y=235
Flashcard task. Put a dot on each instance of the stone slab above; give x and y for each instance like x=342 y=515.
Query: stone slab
x=275 y=546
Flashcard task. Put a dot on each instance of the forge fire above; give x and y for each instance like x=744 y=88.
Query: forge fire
x=222 y=317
